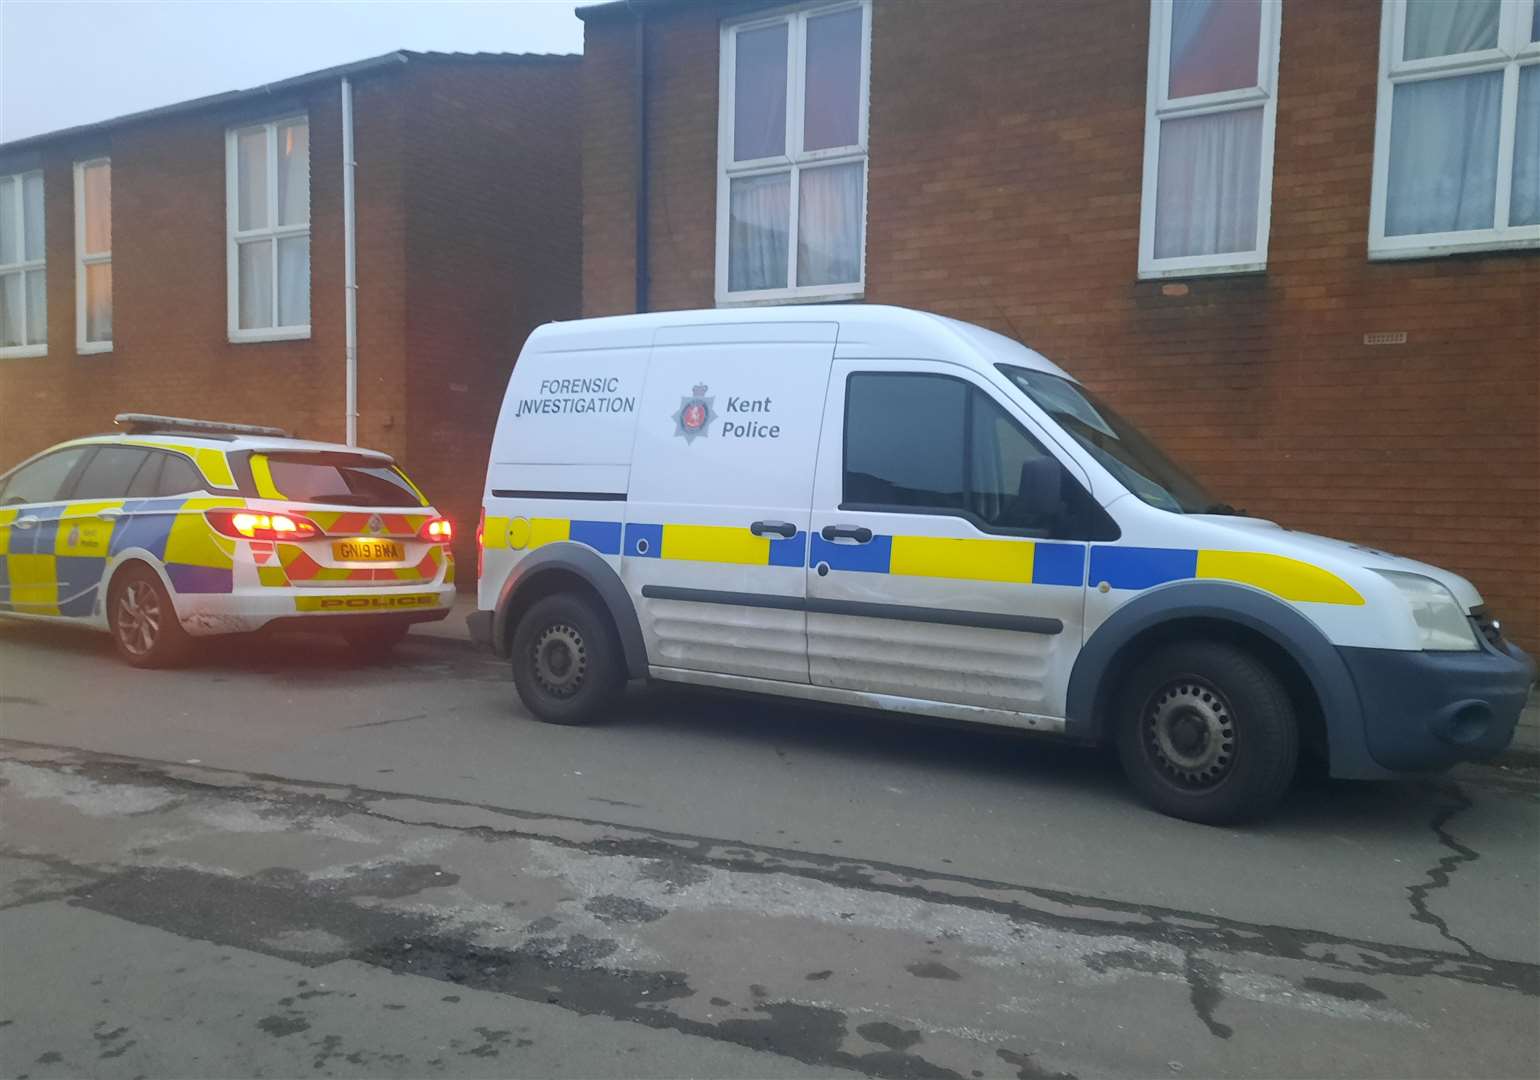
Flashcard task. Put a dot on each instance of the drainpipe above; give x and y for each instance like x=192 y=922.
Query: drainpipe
x=641 y=160
x=350 y=263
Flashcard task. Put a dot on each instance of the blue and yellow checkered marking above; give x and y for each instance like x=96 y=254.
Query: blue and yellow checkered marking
x=1010 y=561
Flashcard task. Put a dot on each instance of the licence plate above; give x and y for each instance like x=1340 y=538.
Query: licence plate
x=367 y=551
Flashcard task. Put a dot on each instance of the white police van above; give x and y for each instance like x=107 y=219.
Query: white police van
x=880 y=507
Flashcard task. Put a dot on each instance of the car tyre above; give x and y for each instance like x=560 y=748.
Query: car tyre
x=374 y=643
x=1207 y=732
x=145 y=629
x=566 y=661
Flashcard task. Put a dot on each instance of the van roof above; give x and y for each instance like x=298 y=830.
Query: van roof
x=865 y=330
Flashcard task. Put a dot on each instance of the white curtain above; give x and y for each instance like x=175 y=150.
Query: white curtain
x=1446 y=27
x=255 y=284
x=11 y=289
x=1207 y=185
x=1443 y=155
x=759 y=213
x=32 y=210
x=251 y=179
x=829 y=222
x=294 y=281
x=1525 y=208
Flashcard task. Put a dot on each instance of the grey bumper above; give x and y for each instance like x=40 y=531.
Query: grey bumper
x=1425 y=711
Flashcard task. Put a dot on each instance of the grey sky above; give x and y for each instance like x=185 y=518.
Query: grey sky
x=67 y=62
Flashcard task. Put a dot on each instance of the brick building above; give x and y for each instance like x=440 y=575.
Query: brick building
x=1209 y=211
x=191 y=260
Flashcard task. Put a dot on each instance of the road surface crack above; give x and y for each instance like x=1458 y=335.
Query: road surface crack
x=1439 y=874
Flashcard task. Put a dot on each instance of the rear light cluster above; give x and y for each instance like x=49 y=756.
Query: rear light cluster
x=481 y=542
x=437 y=531
x=255 y=525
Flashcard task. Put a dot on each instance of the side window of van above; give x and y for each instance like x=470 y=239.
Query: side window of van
x=934 y=444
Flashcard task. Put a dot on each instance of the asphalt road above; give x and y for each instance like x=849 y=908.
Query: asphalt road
x=281 y=863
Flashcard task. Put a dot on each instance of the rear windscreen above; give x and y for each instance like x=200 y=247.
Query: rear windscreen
x=331 y=478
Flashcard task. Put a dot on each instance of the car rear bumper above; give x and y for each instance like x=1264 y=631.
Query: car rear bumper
x=1425 y=711
x=238 y=612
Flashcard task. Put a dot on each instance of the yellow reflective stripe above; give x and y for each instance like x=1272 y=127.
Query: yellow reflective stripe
x=715 y=543
x=34 y=584
x=272 y=576
x=1278 y=574
x=6 y=517
x=449 y=569
x=963 y=558
x=385 y=602
x=262 y=476
x=532 y=532
x=193 y=543
x=494 y=533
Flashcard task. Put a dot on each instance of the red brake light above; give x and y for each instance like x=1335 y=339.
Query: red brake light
x=256 y=525
x=438 y=531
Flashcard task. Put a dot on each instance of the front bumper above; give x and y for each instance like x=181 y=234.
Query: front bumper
x=1425 y=711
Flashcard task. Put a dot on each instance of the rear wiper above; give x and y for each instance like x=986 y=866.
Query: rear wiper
x=348 y=499
x=1225 y=509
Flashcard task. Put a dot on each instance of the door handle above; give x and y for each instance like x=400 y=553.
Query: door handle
x=781 y=528
x=859 y=533
x=111 y=513
x=27 y=522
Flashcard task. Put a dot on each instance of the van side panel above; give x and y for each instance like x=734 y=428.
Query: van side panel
x=721 y=486
x=561 y=457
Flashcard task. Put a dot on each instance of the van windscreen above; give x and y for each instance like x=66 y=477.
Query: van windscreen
x=1118 y=446
x=339 y=479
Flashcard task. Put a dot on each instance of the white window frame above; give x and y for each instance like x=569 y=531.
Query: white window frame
x=17 y=352
x=1159 y=106
x=84 y=258
x=271 y=231
x=795 y=158
x=1514 y=51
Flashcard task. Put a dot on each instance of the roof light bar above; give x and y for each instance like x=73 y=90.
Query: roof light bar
x=139 y=423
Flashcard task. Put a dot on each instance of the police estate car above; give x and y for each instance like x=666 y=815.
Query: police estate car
x=180 y=528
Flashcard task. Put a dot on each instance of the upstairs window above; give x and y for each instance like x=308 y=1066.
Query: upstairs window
x=23 y=267
x=93 y=256
x=267 y=182
x=1208 y=136
x=1457 y=141
x=791 y=147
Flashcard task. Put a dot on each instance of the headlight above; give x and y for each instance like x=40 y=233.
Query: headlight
x=1440 y=622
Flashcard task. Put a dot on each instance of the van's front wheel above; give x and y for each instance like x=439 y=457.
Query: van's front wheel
x=566 y=665
x=1207 y=732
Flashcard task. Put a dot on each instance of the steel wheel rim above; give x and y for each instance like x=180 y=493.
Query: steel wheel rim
x=1188 y=731
x=559 y=661
x=139 y=617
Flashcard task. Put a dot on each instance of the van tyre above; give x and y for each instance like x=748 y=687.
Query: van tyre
x=145 y=629
x=566 y=661
x=1207 y=732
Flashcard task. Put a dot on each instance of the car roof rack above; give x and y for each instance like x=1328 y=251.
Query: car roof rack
x=144 y=423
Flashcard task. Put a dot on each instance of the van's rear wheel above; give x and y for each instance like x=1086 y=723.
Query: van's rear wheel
x=566 y=663
x=144 y=624
x=1207 y=732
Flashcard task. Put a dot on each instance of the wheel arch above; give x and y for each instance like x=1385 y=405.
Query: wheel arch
x=1291 y=645
x=135 y=557
x=570 y=567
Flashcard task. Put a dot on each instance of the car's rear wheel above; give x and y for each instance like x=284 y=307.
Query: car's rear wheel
x=144 y=624
x=375 y=642
x=566 y=662
x=1207 y=732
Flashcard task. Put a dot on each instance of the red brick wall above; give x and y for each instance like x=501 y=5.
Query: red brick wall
x=171 y=352
x=468 y=202
x=493 y=242
x=1006 y=158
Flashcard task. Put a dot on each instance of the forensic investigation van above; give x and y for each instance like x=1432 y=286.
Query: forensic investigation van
x=881 y=507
